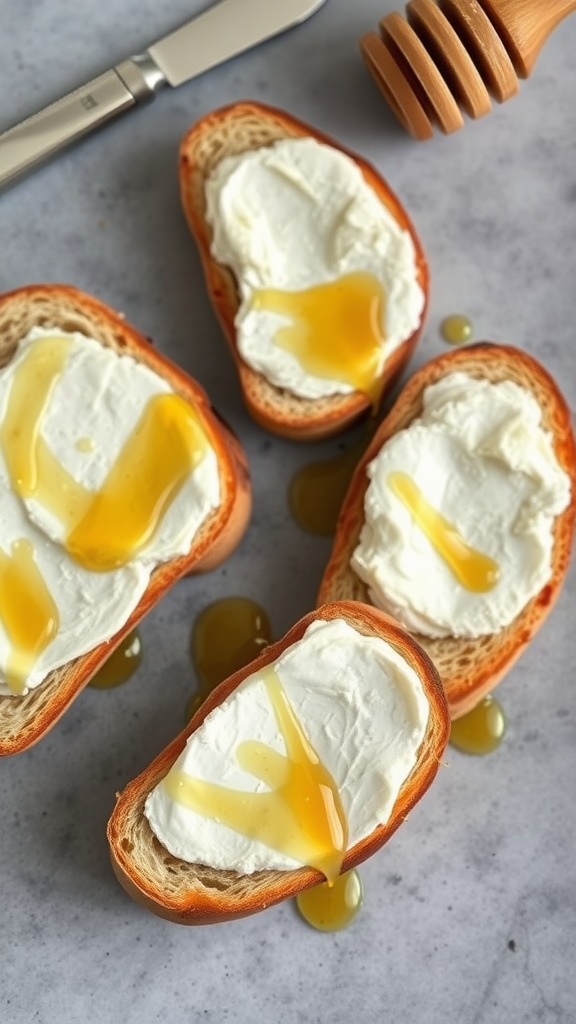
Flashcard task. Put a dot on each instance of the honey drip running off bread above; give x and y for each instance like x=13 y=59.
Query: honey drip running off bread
x=193 y=893
x=469 y=667
x=239 y=129
x=61 y=309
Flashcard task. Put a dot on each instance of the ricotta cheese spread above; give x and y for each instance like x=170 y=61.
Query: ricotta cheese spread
x=85 y=420
x=459 y=511
x=364 y=712
x=298 y=214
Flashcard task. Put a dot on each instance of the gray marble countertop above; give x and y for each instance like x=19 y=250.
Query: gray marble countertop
x=470 y=911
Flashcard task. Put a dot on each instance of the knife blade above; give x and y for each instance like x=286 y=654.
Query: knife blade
x=223 y=31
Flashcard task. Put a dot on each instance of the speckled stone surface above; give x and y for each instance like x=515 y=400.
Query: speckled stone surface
x=470 y=911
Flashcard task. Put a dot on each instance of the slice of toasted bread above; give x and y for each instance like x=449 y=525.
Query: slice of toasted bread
x=230 y=131
x=196 y=894
x=469 y=668
x=24 y=720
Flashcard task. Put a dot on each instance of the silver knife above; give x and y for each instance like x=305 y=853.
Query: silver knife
x=223 y=31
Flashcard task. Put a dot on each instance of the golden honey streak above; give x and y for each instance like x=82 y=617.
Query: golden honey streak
x=158 y=457
x=27 y=611
x=301 y=814
x=107 y=528
x=335 y=330
x=30 y=394
x=474 y=570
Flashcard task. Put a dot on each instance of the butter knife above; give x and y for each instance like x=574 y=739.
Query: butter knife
x=223 y=31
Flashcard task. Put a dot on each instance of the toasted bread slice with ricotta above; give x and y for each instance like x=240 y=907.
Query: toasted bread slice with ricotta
x=196 y=894
x=469 y=668
x=228 y=132
x=25 y=719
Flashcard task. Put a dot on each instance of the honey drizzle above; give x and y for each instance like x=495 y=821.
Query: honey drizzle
x=301 y=815
x=32 y=387
x=474 y=570
x=335 y=329
x=27 y=610
x=163 y=449
x=56 y=489
x=107 y=528
x=104 y=529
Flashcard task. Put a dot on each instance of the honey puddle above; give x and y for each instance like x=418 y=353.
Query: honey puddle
x=316 y=491
x=226 y=635
x=331 y=908
x=480 y=731
x=121 y=665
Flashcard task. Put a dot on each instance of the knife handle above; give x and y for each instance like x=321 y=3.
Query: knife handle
x=26 y=145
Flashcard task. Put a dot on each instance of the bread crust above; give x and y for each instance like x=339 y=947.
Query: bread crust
x=469 y=668
x=232 y=130
x=24 y=720
x=196 y=894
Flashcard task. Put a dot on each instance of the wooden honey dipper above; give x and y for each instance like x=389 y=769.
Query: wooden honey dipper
x=452 y=55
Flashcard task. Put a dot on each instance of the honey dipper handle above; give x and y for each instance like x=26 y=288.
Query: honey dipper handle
x=524 y=26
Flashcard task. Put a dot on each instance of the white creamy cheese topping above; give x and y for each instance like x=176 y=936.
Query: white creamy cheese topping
x=296 y=214
x=98 y=399
x=363 y=710
x=481 y=458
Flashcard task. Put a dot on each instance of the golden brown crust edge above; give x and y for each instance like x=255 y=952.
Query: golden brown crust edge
x=194 y=894
x=469 y=669
x=232 y=130
x=24 y=720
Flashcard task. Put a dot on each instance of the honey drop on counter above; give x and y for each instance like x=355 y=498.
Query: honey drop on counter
x=226 y=635
x=121 y=665
x=316 y=491
x=480 y=731
x=330 y=908
x=456 y=329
